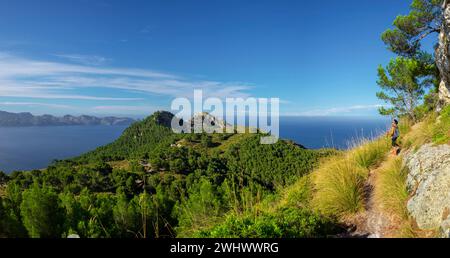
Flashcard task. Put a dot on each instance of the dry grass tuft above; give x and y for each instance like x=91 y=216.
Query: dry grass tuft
x=339 y=182
x=391 y=197
x=339 y=187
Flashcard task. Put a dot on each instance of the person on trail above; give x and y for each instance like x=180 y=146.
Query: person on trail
x=394 y=133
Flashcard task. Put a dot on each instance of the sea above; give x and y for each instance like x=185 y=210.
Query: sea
x=28 y=148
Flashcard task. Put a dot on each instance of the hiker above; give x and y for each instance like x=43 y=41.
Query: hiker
x=394 y=134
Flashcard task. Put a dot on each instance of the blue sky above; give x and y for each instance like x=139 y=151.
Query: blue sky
x=133 y=57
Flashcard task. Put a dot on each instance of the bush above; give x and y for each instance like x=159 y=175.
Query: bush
x=201 y=209
x=41 y=213
x=284 y=223
x=206 y=141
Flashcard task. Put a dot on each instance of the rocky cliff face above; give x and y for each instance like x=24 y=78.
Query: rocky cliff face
x=443 y=55
x=429 y=185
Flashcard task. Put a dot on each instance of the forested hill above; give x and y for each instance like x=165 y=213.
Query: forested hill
x=27 y=119
x=137 y=141
x=152 y=182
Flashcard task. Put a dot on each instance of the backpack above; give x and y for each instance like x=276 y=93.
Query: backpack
x=396 y=133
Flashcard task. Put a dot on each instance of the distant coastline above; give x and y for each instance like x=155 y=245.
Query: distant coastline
x=26 y=119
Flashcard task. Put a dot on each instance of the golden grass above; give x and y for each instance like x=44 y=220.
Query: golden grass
x=391 y=196
x=339 y=182
x=391 y=191
x=441 y=129
x=339 y=188
x=370 y=153
x=405 y=125
x=298 y=195
x=434 y=128
x=420 y=134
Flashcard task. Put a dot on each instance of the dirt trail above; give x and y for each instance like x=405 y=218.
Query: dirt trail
x=372 y=223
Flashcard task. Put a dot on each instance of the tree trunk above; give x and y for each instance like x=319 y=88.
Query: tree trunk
x=443 y=57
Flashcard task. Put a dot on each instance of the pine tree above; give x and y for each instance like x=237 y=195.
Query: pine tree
x=41 y=213
x=403 y=85
x=424 y=19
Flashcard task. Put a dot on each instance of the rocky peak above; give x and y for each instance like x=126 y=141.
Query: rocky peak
x=200 y=120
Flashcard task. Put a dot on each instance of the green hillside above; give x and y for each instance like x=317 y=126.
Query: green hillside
x=137 y=140
x=154 y=183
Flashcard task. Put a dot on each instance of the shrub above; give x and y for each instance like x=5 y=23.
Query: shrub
x=41 y=214
x=202 y=209
x=284 y=223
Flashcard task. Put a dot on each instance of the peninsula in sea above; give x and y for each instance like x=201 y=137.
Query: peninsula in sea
x=8 y=119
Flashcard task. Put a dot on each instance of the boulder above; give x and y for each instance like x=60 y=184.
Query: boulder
x=429 y=185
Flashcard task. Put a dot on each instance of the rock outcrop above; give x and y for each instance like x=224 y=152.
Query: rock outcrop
x=442 y=55
x=205 y=122
x=429 y=185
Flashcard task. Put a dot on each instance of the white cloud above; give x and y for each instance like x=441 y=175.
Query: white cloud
x=337 y=110
x=146 y=29
x=146 y=109
x=9 y=90
x=85 y=59
x=22 y=77
x=13 y=66
x=35 y=104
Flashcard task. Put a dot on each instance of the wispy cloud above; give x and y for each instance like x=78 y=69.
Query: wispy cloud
x=337 y=110
x=28 y=78
x=31 y=104
x=85 y=59
x=147 y=29
x=131 y=108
